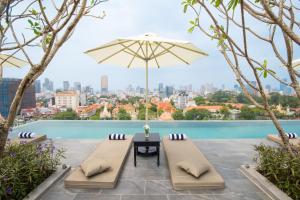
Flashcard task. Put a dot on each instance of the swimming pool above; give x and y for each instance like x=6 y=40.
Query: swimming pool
x=79 y=129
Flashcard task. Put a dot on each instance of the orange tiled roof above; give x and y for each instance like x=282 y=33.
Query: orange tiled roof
x=165 y=106
x=236 y=105
x=166 y=116
x=210 y=108
x=67 y=93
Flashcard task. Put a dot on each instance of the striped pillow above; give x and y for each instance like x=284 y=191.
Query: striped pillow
x=115 y=136
x=26 y=135
x=291 y=135
x=176 y=136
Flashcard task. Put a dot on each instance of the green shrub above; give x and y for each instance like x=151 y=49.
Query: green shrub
x=279 y=167
x=197 y=114
x=67 y=115
x=24 y=166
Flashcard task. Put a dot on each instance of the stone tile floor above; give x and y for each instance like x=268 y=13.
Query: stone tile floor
x=149 y=182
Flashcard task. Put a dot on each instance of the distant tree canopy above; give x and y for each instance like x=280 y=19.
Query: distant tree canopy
x=123 y=115
x=67 y=115
x=134 y=99
x=96 y=116
x=276 y=98
x=222 y=97
x=225 y=112
x=199 y=100
x=251 y=113
x=197 y=114
x=142 y=112
x=178 y=115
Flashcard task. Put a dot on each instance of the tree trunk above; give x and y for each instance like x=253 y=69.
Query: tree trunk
x=3 y=135
x=281 y=132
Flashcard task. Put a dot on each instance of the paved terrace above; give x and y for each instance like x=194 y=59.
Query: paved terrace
x=147 y=181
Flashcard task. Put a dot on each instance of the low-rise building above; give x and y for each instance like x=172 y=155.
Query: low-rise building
x=86 y=111
x=68 y=99
x=212 y=109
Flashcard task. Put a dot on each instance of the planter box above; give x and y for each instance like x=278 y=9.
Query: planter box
x=263 y=183
x=46 y=184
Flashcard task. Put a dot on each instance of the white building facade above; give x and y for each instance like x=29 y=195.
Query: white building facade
x=68 y=99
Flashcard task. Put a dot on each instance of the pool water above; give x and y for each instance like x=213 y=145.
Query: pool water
x=78 y=129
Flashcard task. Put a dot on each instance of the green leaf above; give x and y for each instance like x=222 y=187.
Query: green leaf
x=190 y=30
x=34 y=12
x=38 y=33
x=30 y=22
x=233 y=4
x=259 y=68
x=185 y=8
x=217 y=3
x=265 y=63
x=265 y=74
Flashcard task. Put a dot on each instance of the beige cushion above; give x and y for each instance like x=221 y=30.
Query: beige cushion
x=92 y=167
x=196 y=169
x=179 y=150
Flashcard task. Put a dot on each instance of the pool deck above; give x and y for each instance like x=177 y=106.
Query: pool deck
x=149 y=182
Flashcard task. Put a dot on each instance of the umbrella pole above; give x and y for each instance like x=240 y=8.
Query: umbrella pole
x=146 y=114
x=1 y=72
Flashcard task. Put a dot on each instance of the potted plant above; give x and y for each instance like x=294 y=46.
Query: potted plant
x=147 y=130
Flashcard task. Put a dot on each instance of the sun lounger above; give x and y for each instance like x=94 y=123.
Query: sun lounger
x=35 y=139
x=178 y=150
x=277 y=139
x=115 y=153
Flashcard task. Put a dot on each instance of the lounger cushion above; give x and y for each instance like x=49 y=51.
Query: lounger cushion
x=92 y=167
x=112 y=151
x=193 y=168
x=178 y=150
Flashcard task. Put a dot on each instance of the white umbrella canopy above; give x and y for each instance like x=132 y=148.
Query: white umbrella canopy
x=134 y=51
x=144 y=51
x=10 y=61
x=296 y=63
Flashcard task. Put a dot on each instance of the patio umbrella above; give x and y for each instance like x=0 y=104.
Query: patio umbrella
x=144 y=51
x=10 y=61
x=296 y=63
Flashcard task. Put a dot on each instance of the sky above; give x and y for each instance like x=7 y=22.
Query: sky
x=128 y=18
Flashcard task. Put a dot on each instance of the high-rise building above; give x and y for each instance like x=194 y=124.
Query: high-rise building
x=88 y=90
x=237 y=88
x=161 y=91
x=38 y=87
x=169 y=91
x=285 y=89
x=182 y=100
x=8 y=88
x=250 y=89
x=48 y=85
x=282 y=87
x=104 y=84
x=77 y=86
x=268 y=88
x=66 y=85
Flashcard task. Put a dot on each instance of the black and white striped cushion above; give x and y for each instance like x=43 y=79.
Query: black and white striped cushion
x=176 y=136
x=116 y=136
x=291 y=135
x=26 y=135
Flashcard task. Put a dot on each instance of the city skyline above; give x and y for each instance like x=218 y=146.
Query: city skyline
x=72 y=64
x=163 y=90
